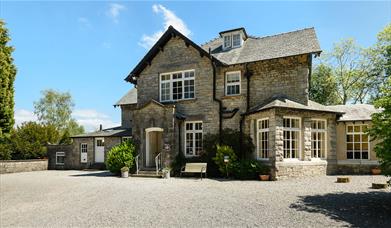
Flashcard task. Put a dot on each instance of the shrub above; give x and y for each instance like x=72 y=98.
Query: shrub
x=230 y=138
x=121 y=156
x=221 y=152
x=125 y=169
x=249 y=169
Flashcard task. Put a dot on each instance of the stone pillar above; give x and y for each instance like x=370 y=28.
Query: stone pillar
x=307 y=139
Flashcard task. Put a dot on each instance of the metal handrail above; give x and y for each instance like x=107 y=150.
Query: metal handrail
x=136 y=161
x=158 y=162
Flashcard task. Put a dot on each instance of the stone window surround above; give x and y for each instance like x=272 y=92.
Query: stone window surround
x=60 y=154
x=233 y=83
x=171 y=80
x=193 y=132
x=325 y=138
x=300 y=131
x=259 y=131
x=359 y=133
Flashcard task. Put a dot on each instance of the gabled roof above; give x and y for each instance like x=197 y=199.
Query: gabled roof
x=129 y=98
x=283 y=102
x=356 y=112
x=269 y=47
x=159 y=45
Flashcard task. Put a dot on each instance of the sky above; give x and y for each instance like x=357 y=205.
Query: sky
x=87 y=48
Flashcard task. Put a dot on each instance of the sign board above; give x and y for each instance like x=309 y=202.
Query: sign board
x=226 y=159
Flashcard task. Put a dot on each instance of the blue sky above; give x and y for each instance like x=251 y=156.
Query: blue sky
x=88 y=48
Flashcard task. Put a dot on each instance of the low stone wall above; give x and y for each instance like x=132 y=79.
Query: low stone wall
x=354 y=169
x=284 y=170
x=16 y=166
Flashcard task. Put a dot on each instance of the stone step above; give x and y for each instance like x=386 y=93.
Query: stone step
x=147 y=173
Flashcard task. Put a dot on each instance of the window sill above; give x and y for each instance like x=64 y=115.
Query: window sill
x=179 y=101
x=232 y=96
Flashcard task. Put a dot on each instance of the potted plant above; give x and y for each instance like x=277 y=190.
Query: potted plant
x=264 y=173
x=376 y=171
x=125 y=172
x=166 y=172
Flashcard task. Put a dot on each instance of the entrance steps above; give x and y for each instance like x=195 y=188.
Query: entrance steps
x=148 y=173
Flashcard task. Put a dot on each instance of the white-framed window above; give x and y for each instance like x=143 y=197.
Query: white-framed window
x=291 y=137
x=232 y=83
x=60 y=158
x=263 y=138
x=236 y=40
x=357 y=141
x=83 y=147
x=193 y=138
x=227 y=41
x=318 y=138
x=177 y=85
x=126 y=138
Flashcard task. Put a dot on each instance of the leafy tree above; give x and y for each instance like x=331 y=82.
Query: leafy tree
x=323 y=87
x=55 y=108
x=29 y=140
x=7 y=78
x=121 y=156
x=381 y=128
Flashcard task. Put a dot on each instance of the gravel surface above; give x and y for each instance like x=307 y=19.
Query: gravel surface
x=96 y=199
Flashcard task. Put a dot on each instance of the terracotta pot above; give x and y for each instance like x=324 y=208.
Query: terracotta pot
x=264 y=177
x=376 y=171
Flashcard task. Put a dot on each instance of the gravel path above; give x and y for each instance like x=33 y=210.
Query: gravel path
x=95 y=199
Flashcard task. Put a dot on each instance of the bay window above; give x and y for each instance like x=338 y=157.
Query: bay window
x=177 y=85
x=291 y=137
x=193 y=138
x=318 y=138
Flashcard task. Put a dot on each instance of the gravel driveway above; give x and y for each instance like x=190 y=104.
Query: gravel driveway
x=96 y=199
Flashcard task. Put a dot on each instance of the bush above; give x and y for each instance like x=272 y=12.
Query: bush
x=249 y=169
x=125 y=169
x=121 y=156
x=230 y=138
x=221 y=152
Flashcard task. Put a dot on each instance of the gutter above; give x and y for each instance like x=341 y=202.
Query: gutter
x=248 y=75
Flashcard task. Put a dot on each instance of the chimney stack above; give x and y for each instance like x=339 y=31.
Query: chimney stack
x=100 y=127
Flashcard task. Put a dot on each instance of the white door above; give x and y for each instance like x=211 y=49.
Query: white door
x=99 y=150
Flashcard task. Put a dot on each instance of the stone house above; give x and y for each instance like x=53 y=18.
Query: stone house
x=256 y=85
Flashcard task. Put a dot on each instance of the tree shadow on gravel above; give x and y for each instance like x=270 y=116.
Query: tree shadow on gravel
x=95 y=174
x=363 y=209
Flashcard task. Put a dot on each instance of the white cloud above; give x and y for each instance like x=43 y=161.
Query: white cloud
x=169 y=18
x=90 y=119
x=23 y=115
x=84 y=22
x=114 y=11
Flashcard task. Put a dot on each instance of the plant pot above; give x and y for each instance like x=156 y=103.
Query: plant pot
x=125 y=174
x=166 y=175
x=376 y=171
x=264 y=177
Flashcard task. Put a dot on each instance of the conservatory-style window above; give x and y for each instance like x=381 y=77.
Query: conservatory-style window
x=263 y=138
x=232 y=83
x=318 y=138
x=177 y=85
x=193 y=138
x=291 y=137
x=357 y=141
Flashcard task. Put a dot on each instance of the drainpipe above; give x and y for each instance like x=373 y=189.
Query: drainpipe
x=248 y=75
x=217 y=100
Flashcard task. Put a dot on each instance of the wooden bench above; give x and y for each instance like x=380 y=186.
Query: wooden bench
x=194 y=168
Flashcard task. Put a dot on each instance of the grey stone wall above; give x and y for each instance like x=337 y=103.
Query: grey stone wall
x=127 y=115
x=17 y=166
x=284 y=170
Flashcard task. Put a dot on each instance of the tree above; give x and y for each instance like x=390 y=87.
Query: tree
x=7 y=78
x=380 y=130
x=55 y=108
x=29 y=140
x=323 y=87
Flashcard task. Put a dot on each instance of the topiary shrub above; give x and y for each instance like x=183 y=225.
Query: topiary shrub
x=221 y=152
x=121 y=156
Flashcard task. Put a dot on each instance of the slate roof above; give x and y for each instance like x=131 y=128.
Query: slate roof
x=129 y=98
x=269 y=47
x=356 y=112
x=283 y=102
x=109 y=132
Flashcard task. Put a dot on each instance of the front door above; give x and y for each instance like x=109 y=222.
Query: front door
x=154 y=146
x=99 y=150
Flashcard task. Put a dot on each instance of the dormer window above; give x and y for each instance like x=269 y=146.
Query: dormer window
x=227 y=41
x=236 y=40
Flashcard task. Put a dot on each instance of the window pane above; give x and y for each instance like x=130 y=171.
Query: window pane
x=349 y=146
x=364 y=155
x=350 y=128
x=349 y=138
x=236 y=40
x=349 y=155
x=357 y=129
x=357 y=155
x=364 y=138
x=227 y=41
x=364 y=146
x=177 y=90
